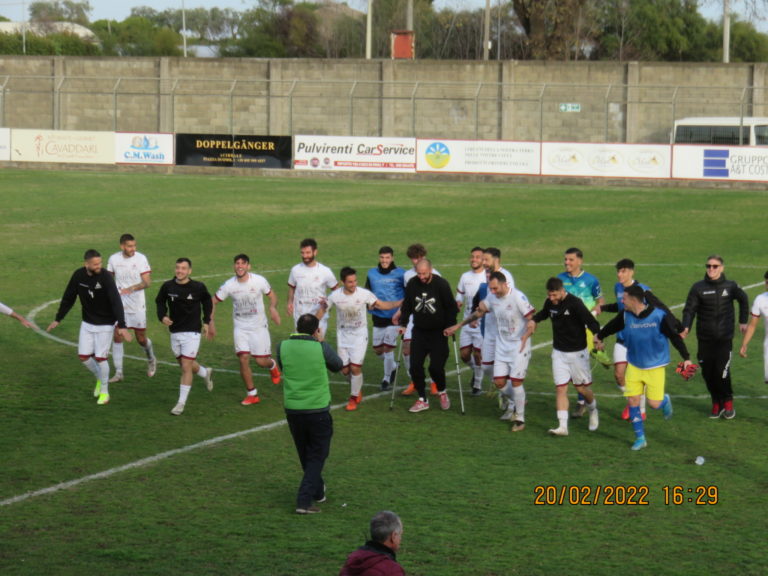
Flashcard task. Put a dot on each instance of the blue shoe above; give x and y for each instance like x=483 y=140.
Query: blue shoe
x=640 y=443
x=667 y=410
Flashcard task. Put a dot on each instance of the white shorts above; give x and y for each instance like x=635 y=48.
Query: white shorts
x=515 y=367
x=254 y=342
x=94 y=340
x=385 y=336
x=571 y=367
x=136 y=321
x=352 y=347
x=471 y=337
x=488 y=349
x=619 y=353
x=185 y=344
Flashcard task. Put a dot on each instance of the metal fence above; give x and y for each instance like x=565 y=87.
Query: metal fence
x=460 y=110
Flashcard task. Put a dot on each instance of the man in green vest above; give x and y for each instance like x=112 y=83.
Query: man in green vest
x=304 y=361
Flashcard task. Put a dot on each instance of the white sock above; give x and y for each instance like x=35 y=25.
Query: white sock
x=478 y=372
x=562 y=418
x=592 y=406
x=184 y=393
x=356 y=381
x=253 y=392
x=488 y=371
x=93 y=367
x=389 y=364
x=148 y=350
x=117 y=356
x=407 y=362
x=203 y=372
x=518 y=393
x=642 y=404
x=104 y=376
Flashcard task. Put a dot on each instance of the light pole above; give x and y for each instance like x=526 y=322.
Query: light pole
x=24 y=27
x=726 y=31
x=184 y=27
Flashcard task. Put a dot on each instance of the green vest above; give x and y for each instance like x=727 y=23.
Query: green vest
x=305 y=377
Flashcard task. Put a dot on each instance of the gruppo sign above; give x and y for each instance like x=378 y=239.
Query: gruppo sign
x=721 y=163
x=351 y=153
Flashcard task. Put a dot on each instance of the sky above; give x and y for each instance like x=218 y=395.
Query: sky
x=121 y=9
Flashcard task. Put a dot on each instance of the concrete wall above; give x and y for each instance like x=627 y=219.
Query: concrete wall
x=617 y=102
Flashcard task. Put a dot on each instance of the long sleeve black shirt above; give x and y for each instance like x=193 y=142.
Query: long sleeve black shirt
x=570 y=318
x=184 y=304
x=98 y=296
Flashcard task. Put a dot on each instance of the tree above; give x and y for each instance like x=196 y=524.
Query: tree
x=60 y=11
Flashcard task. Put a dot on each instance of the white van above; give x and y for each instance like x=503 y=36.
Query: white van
x=721 y=131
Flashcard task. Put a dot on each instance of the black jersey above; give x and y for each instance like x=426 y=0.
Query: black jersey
x=185 y=304
x=101 y=302
x=570 y=318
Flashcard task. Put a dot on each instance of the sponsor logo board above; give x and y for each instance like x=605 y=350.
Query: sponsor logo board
x=478 y=156
x=64 y=146
x=354 y=154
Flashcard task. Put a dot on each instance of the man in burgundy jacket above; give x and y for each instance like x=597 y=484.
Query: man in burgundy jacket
x=377 y=556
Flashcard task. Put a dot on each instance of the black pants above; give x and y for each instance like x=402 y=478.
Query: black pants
x=312 y=434
x=714 y=357
x=430 y=343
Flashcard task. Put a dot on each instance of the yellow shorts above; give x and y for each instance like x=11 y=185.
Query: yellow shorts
x=649 y=382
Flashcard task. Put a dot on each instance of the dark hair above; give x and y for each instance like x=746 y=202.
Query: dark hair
x=311 y=242
x=383 y=524
x=126 y=238
x=498 y=275
x=477 y=249
x=625 y=263
x=576 y=251
x=716 y=257
x=243 y=257
x=386 y=250
x=495 y=252
x=766 y=275
x=182 y=259
x=416 y=251
x=554 y=284
x=307 y=324
x=91 y=253
x=635 y=291
x=346 y=272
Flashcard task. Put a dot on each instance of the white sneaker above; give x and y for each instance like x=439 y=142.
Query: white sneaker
x=594 y=420
x=559 y=431
x=151 y=367
x=118 y=377
x=209 y=379
x=178 y=410
x=508 y=416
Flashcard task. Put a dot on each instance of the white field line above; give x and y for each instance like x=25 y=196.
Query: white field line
x=263 y=428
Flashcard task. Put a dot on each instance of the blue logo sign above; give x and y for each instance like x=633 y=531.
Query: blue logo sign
x=716 y=163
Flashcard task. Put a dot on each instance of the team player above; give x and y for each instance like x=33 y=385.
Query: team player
x=586 y=287
x=181 y=302
x=102 y=309
x=133 y=276
x=352 y=304
x=759 y=308
x=415 y=252
x=512 y=311
x=386 y=282
x=711 y=301
x=645 y=330
x=471 y=339
x=308 y=283
x=570 y=358
x=251 y=337
x=9 y=312
x=625 y=274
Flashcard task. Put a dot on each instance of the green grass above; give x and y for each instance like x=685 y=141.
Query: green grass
x=464 y=486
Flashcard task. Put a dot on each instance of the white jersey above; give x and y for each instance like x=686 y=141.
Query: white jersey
x=491 y=330
x=760 y=308
x=469 y=283
x=247 y=300
x=5 y=310
x=351 y=312
x=310 y=284
x=127 y=272
x=510 y=313
x=508 y=274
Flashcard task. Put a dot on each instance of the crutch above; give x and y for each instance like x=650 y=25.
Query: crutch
x=397 y=369
x=458 y=373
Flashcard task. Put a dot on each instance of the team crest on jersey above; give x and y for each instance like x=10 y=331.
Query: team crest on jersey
x=725 y=291
x=189 y=297
x=567 y=313
x=97 y=287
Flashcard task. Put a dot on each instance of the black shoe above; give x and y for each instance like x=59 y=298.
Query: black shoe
x=384 y=385
x=308 y=510
x=477 y=391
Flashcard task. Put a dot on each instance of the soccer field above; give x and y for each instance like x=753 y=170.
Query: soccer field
x=129 y=489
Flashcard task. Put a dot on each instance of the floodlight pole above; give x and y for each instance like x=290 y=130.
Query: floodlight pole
x=184 y=27
x=24 y=27
x=487 y=30
x=369 y=31
x=726 y=31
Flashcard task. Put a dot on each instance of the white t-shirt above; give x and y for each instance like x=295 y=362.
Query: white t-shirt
x=127 y=272
x=760 y=308
x=510 y=313
x=469 y=283
x=247 y=300
x=310 y=284
x=351 y=312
